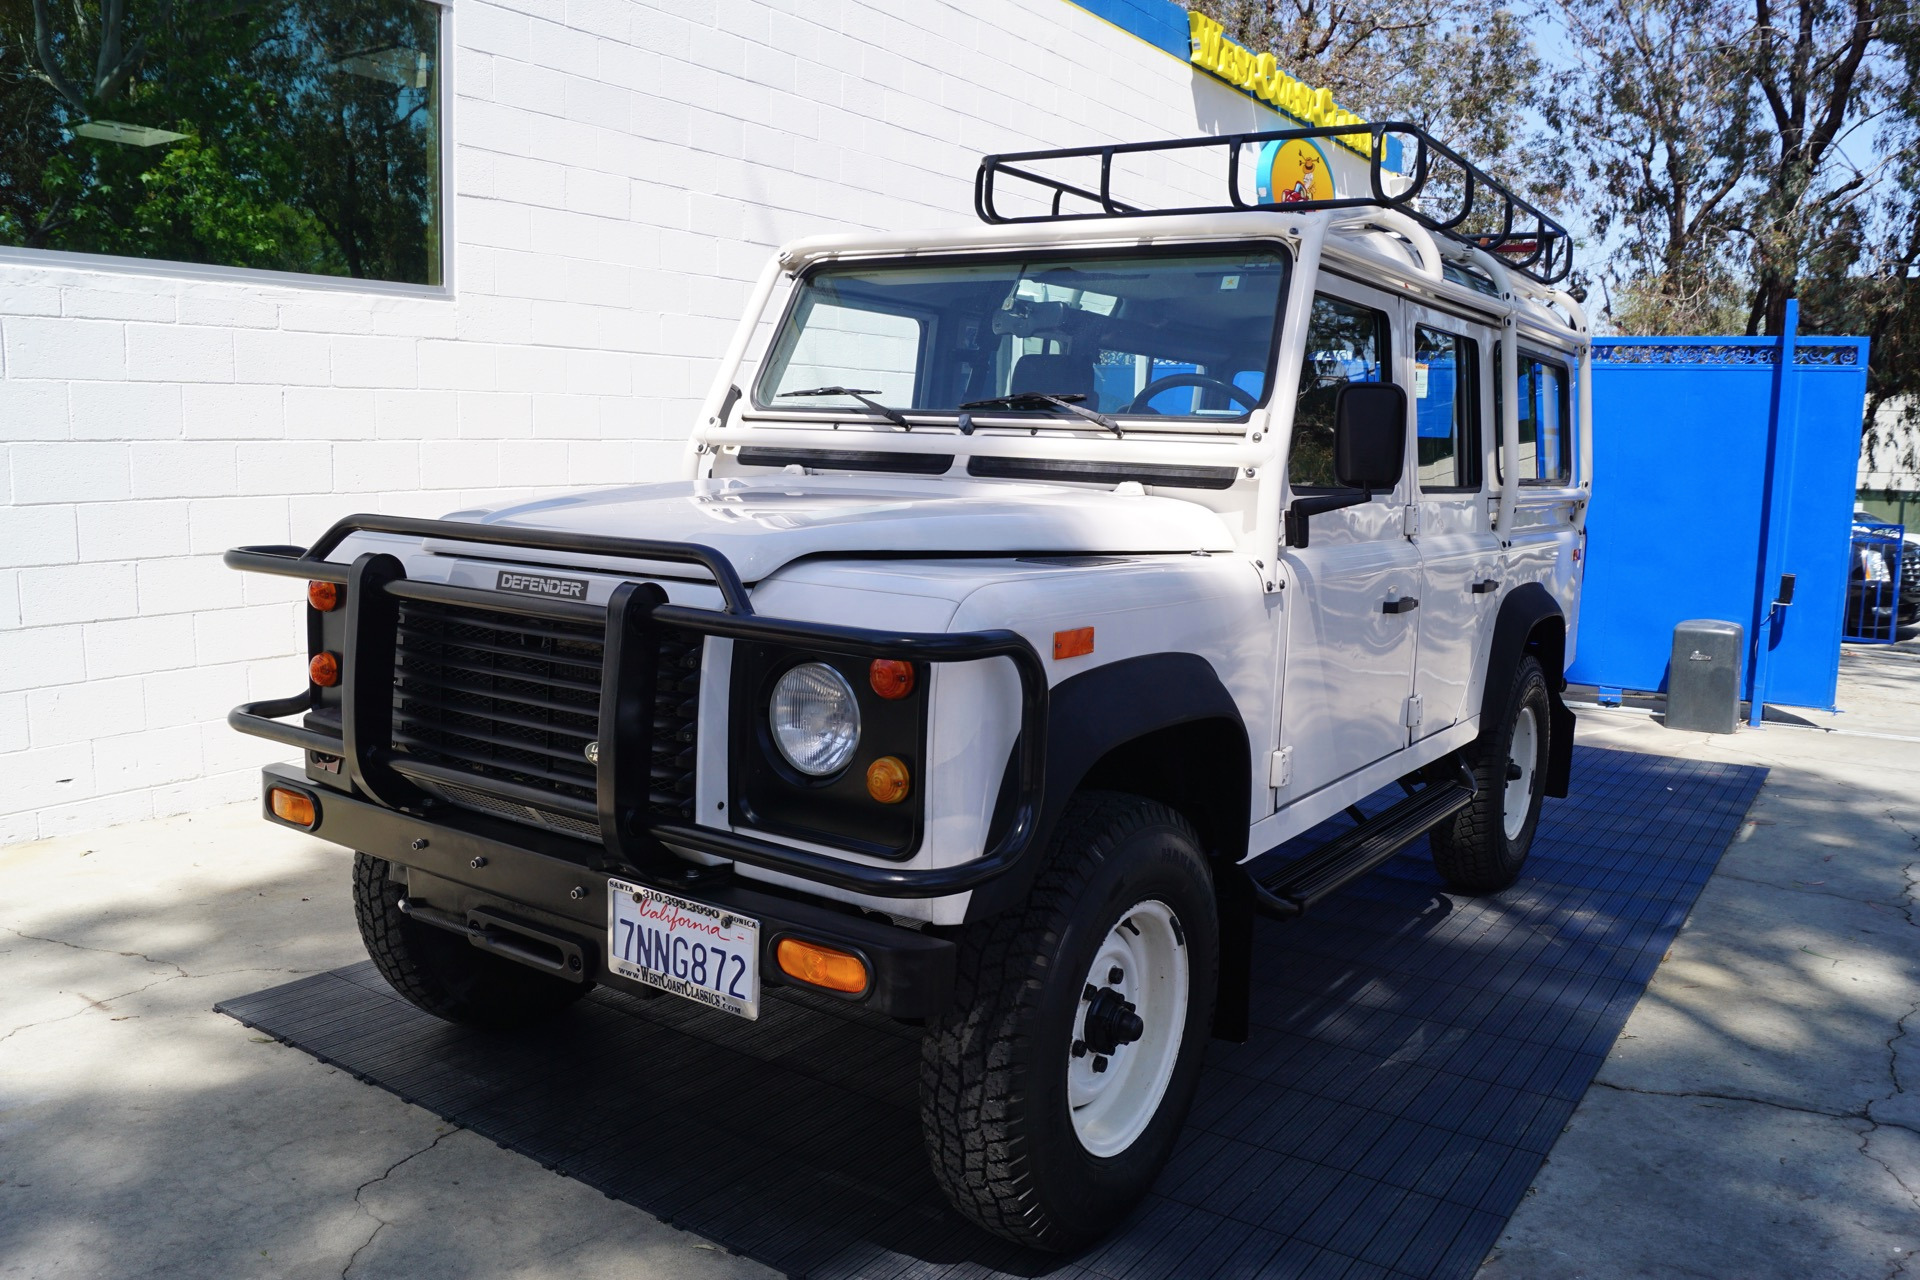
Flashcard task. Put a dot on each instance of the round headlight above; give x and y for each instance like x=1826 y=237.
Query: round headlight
x=816 y=722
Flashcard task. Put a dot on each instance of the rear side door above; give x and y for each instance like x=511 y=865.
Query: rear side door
x=1350 y=626
x=1453 y=527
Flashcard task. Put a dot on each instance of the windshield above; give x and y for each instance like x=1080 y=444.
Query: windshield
x=1187 y=336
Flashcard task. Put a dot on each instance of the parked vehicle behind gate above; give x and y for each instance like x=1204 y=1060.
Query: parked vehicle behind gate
x=1025 y=584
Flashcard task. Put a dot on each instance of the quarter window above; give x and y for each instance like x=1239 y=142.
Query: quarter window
x=1446 y=394
x=1346 y=342
x=1545 y=444
x=301 y=135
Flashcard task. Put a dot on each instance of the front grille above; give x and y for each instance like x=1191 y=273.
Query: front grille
x=517 y=700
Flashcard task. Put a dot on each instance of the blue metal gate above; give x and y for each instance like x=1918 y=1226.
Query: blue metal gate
x=1722 y=465
x=1873 y=583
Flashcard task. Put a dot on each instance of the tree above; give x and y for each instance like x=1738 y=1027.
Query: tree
x=1721 y=139
x=1468 y=74
x=1659 y=111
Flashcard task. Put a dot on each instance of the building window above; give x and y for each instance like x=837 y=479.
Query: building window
x=285 y=135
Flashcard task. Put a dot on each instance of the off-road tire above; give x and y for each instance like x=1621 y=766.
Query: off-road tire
x=440 y=971
x=994 y=1068
x=1471 y=850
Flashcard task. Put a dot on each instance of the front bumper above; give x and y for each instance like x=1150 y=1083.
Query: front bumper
x=468 y=869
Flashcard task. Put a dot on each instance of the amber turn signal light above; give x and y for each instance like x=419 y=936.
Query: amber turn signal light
x=1077 y=643
x=891 y=678
x=324 y=670
x=822 y=966
x=888 y=780
x=291 y=806
x=324 y=596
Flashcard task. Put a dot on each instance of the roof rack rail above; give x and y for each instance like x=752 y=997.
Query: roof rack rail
x=1525 y=239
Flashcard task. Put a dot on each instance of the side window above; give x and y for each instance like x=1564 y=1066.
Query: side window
x=1446 y=395
x=1545 y=450
x=1346 y=342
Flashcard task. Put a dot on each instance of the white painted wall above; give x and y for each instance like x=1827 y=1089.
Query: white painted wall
x=621 y=168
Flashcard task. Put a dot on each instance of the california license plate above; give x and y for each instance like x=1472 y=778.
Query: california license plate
x=704 y=953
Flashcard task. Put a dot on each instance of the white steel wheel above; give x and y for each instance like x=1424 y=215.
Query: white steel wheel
x=1127 y=1033
x=1523 y=756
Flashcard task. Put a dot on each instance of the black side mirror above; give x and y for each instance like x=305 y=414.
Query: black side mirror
x=1369 y=452
x=1369 y=435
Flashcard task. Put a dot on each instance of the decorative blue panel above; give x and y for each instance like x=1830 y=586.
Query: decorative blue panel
x=1716 y=471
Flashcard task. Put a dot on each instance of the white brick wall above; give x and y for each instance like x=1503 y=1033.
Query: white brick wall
x=621 y=169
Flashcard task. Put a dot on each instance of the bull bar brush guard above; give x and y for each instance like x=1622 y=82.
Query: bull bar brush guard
x=376 y=583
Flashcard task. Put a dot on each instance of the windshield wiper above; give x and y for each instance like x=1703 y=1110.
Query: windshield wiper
x=891 y=415
x=1070 y=401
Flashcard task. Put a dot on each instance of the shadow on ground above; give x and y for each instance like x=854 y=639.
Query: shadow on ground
x=1415 y=1056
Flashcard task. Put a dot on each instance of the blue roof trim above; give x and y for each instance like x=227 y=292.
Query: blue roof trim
x=1161 y=23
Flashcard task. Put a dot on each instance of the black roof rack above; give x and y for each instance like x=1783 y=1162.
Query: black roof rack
x=1476 y=209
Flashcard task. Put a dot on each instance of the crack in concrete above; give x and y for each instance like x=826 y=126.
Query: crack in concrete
x=90 y=1005
x=1723 y=874
x=380 y=1223
x=179 y=971
x=103 y=951
x=1860 y=1115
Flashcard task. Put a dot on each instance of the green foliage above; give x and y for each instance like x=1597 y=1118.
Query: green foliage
x=309 y=139
x=1467 y=72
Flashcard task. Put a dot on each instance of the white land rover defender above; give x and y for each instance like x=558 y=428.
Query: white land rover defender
x=1041 y=577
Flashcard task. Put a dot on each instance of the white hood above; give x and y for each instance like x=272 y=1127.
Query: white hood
x=763 y=523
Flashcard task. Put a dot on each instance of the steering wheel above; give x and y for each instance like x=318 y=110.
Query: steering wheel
x=1139 y=403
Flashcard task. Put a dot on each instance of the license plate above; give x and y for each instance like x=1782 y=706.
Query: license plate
x=704 y=953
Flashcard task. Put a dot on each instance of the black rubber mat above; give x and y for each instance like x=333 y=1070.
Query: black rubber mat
x=1414 y=1056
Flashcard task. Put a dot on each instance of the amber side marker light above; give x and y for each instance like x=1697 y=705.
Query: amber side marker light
x=1077 y=643
x=891 y=678
x=291 y=806
x=888 y=780
x=324 y=670
x=324 y=596
x=822 y=966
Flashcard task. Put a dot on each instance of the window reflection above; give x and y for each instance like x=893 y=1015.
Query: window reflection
x=288 y=135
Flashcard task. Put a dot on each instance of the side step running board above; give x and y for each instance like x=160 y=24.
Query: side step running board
x=1291 y=889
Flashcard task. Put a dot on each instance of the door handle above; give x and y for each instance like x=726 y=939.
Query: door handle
x=1405 y=604
x=1485 y=585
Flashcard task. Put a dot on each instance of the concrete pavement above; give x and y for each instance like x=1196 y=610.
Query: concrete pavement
x=141 y=1134
x=1760 y=1114
x=1759 y=1117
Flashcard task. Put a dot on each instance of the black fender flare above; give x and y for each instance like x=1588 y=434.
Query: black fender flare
x=1517 y=633
x=1091 y=716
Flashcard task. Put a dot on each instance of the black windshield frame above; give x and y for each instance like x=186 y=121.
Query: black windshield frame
x=1225 y=249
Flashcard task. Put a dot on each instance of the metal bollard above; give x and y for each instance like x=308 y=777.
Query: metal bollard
x=1703 y=680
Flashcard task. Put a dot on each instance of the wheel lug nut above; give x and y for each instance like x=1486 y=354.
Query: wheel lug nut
x=1088 y=994
x=1114 y=975
x=1099 y=1064
x=1079 y=1048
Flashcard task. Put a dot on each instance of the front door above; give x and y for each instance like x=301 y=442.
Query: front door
x=1459 y=552
x=1352 y=594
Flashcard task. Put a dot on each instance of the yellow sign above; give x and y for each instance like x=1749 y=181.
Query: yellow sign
x=1293 y=172
x=1260 y=75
